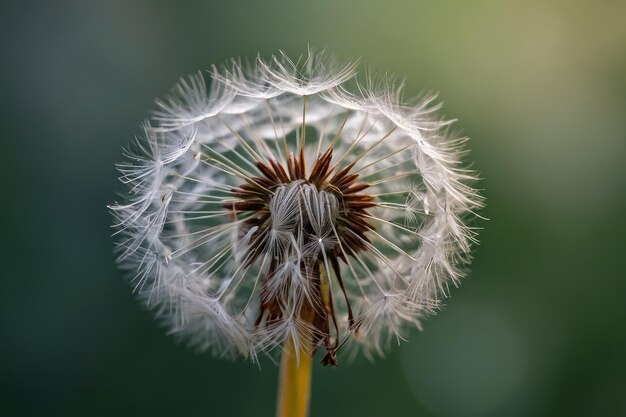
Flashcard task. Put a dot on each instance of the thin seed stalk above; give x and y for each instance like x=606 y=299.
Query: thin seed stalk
x=294 y=389
x=294 y=385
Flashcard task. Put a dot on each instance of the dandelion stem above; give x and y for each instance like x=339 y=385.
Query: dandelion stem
x=294 y=386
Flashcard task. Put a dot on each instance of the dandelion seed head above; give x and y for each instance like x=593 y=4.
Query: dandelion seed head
x=286 y=200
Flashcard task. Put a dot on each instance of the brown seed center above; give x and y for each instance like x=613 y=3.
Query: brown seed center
x=303 y=226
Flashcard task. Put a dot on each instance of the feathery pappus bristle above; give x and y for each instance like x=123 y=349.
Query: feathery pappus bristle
x=286 y=201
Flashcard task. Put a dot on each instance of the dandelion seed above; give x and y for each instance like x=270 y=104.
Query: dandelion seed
x=280 y=206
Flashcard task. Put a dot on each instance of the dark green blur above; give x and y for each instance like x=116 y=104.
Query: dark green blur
x=537 y=329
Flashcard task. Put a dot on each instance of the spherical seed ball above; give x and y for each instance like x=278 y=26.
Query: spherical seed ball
x=280 y=203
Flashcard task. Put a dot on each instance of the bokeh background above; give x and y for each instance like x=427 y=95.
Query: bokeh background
x=536 y=330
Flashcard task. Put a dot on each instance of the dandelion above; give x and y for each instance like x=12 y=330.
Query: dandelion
x=288 y=207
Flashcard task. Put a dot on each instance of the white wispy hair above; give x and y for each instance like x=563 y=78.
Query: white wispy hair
x=208 y=269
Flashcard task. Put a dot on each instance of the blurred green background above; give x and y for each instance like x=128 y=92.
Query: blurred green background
x=536 y=330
